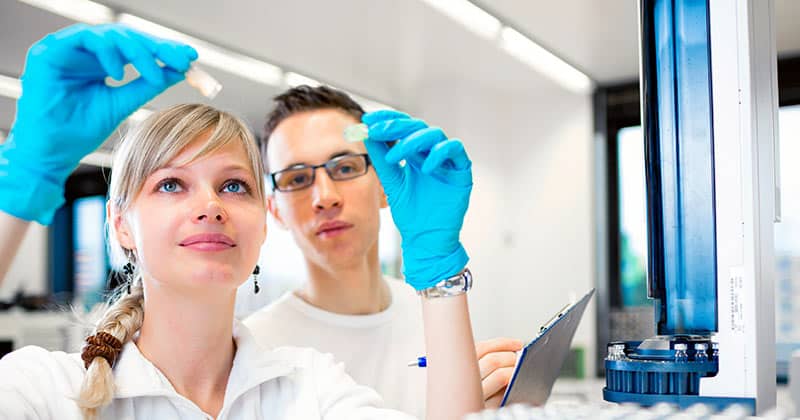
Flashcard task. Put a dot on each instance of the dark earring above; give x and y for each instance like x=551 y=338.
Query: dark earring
x=256 y=271
x=127 y=269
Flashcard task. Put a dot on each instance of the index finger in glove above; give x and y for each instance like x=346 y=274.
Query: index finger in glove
x=137 y=54
x=381 y=115
x=418 y=142
x=63 y=47
x=174 y=54
x=394 y=129
x=449 y=155
x=390 y=174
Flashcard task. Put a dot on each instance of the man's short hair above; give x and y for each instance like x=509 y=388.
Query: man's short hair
x=305 y=98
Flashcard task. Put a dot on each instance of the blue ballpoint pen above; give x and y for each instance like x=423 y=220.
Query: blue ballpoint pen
x=420 y=362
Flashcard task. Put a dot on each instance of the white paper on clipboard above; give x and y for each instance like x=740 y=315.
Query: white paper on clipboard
x=540 y=361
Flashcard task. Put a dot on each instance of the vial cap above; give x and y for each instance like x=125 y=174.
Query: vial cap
x=202 y=81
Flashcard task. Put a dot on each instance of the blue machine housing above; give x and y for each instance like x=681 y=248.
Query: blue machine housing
x=679 y=163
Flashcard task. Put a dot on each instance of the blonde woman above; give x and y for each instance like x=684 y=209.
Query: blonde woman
x=186 y=216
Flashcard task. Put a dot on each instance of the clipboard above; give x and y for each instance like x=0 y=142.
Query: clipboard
x=540 y=361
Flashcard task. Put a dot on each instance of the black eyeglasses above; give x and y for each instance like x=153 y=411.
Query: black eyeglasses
x=302 y=176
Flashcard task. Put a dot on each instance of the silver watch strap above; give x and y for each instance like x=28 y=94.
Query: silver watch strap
x=451 y=286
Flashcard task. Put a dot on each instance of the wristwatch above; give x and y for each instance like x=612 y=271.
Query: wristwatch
x=451 y=286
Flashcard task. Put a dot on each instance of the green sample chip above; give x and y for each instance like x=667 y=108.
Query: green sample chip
x=356 y=133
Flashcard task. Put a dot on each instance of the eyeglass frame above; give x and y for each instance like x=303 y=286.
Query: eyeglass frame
x=324 y=165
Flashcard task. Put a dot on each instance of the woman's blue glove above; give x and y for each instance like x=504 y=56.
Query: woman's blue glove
x=428 y=196
x=66 y=109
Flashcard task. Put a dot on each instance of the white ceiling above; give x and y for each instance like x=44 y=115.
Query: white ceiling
x=381 y=49
x=601 y=37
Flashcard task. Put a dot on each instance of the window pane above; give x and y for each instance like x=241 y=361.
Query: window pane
x=787 y=239
x=633 y=217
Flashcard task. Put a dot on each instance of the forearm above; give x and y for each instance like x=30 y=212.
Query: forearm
x=12 y=232
x=454 y=382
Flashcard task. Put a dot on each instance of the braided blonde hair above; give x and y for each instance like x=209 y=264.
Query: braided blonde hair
x=143 y=150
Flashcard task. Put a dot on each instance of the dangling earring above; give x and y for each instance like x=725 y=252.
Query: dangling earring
x=256 y=271
x=127 y=269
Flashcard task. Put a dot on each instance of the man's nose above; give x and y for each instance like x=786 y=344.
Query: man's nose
x=326 y=195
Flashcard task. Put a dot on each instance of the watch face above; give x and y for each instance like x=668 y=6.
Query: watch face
x=453 y=286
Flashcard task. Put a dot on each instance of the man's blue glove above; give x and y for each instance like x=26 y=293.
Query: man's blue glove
x=66 y=109
x=428 y=196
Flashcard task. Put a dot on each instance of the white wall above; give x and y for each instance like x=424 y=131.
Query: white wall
x=529 y=230
x=28 y=271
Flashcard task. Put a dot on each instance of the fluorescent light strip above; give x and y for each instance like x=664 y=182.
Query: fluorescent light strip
x=544 y=61
x=78 y=10
x=471 y=16
x=293 y=79
x=212 y=55
x=514 y=43
x=10 y=87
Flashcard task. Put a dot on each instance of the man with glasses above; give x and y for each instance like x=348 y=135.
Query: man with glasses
x=327 y=194
x=340 y=168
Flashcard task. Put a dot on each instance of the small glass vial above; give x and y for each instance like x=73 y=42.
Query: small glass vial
x=700 y=352
x=203 y=82
x=616 y=351
x=714 y=351
x=611 y=354
x=356 y=133
x=680 y=352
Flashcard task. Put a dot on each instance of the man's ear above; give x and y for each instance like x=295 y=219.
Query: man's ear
x=272 y=206
x=121 y=227
x=384 y=199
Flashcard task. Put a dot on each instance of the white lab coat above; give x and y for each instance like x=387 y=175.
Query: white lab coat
x=282 y=383
x=374 y=348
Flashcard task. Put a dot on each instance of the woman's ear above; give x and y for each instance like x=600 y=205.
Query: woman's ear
x=121 y=227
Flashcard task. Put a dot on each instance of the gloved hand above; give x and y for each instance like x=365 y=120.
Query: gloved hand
x=66 y=109
x=428 y=197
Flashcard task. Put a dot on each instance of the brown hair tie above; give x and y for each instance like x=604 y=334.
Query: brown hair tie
x=102 y=345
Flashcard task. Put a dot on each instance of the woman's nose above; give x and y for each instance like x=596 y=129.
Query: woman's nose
x=211 y=210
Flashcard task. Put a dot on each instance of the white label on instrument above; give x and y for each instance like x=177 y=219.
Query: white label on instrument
x=736 y=289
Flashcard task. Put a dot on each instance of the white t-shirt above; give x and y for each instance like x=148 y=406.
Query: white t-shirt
x=375 y=348
x=285 y=383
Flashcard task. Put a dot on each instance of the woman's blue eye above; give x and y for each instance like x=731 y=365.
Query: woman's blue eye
x=235 y=187
x=169 y=186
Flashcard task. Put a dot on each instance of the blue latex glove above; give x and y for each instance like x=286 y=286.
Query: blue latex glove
x=66 y=109
x=428 y=197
